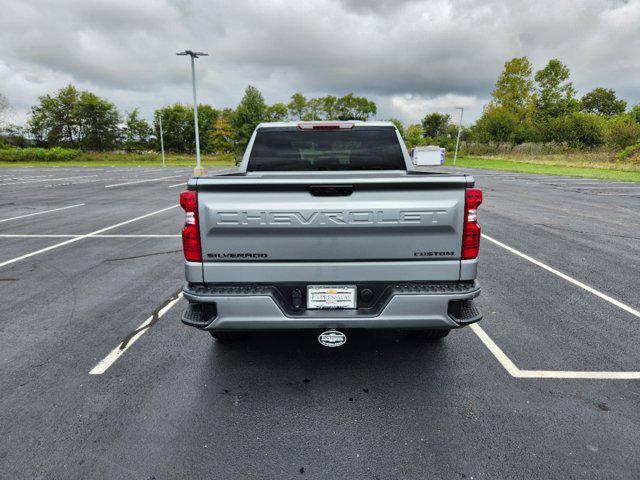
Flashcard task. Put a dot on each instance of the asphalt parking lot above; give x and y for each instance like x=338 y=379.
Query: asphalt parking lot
x=547 y=386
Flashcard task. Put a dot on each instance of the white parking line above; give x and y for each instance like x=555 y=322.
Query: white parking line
x=514 y=371
x=29 y=182
x=31 y=235
x=604 y=187
x=566 y=277
x=136 y=236
x=40 y=213
x=142 y=181
x=505 y=361
x=19 y=235
x=76 y=239
x=617 y=194
x=117 y=352
x=177 y=185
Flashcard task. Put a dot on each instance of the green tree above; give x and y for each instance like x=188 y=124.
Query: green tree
x=221 y=139
x=514 y=87
x=54 y=120
x=314 y=109
x=435 y=124
x=177 y=127
x=276 y=113
x=75 y=119
x=136 y=133
x=207 y=117
x=497 y=124
x=250 y=112
x=351 y=107
x=635 y=113
x=555 y=93
x=297 y=106
x=602 y=101
x=330 y=107
x=413 y=136
x=99 y=122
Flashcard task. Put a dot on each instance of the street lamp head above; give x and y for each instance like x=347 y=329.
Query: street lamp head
x=193 y=54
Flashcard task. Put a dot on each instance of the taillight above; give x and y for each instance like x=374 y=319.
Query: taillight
x=190 y=231
x=471 y=230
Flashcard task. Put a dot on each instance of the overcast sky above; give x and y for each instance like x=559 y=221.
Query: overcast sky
x=410 y=56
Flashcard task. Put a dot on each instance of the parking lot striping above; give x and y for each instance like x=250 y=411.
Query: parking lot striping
x=566 y=277
x=142 y=181
x=137 y=236
x=29 y=182
x=515 y=372
x=511 y=367
x=497 y=352
x=617 y=194
x=76 y=239
x=579 y=375
x=607 y=187
x=35 y=235
x=117 y=352
x=18 y=235
x=177 y=185
x=40 y=213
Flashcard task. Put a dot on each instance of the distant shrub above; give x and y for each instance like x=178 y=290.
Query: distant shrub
x=502 y=148
x=630 y=154
x=622 y=131
x=55 y=154
x=578 y=130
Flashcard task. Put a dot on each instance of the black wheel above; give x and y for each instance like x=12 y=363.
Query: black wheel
x=227 y=336
x=430 y=334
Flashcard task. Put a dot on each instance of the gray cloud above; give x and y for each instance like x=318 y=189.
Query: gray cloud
x=406 y=54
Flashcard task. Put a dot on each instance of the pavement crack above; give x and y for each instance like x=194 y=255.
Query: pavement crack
x=140 y=256
x=155 y=316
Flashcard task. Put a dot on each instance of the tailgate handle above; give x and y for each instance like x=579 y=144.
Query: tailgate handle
x=331 y=190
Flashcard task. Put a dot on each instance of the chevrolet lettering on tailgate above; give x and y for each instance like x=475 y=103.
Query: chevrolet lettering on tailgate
x=380 y=217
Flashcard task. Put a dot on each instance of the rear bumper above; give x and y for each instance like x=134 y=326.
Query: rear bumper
x=409 y=306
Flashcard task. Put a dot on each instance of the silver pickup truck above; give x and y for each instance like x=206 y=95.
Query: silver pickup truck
x=328 y=227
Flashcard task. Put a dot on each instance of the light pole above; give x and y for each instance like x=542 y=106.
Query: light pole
x=161 y=139
x=198 y=171
x=455 y=155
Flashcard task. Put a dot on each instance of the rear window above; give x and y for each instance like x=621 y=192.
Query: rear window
x=292 y=149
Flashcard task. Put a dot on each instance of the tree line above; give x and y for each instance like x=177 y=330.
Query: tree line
x=82 y=120
x=540 y=107
x=525 y=107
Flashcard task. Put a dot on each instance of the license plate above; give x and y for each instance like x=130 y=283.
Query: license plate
x=326 y=296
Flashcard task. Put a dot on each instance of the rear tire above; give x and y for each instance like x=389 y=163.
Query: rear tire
x=227 y=336
x=431 y=335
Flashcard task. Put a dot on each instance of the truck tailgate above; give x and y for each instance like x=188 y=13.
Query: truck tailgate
x=332 y=218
